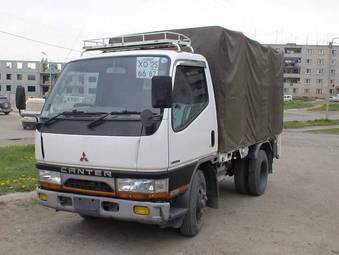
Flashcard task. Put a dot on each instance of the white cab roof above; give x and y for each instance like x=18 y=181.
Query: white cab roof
x=173 y=55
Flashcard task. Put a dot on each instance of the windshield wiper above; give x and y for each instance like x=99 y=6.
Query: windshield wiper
x=99 y=120
x=66 y=113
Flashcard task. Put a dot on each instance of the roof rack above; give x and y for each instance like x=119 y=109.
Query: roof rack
x=154 y=40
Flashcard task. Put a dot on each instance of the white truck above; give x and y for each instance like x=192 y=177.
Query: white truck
x=146 y=129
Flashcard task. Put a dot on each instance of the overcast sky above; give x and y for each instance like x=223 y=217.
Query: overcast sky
x=67 y=23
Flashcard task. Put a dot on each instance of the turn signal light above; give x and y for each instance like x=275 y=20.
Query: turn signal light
x=141 y=210
x=43 y=196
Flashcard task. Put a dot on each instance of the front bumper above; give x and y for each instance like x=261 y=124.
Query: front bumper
x=159 y=212
x=5 y=109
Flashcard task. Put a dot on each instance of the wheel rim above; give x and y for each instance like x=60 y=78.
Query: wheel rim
x=201 y=203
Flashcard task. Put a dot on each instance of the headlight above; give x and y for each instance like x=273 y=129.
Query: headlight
x=142 y=185
x=50 y=176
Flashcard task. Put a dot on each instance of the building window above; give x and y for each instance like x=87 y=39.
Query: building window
x=19 y=77
x=8 y=76
x=320 y=61
x=331 y=91
x=319 y=91
x=19 y=65
x=0 y=87
x=333 y=52
x=319 y=81
x=45 y=89
x=285 y=90
x=333 y=62
x=308 y=61
x=320 y=71
x=308 y=71
x=8 y=88
x=307 y=81
x=332 y=81
x=295 y=90
x=92 y=79
x=307 y=91
x=332 y=72
x=31 y=65
x=321 y=52
x=309 y=51
x=31 y=77
x=9 y=65
x=31 y=88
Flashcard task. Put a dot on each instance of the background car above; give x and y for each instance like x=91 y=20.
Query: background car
x=288 y=98
x=334 y=98
x=5 y=105
x=32 y=112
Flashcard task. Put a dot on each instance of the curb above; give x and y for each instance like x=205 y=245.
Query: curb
x=17 y=196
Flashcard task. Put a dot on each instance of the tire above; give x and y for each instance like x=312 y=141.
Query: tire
x=258 y=174
x=193 y=219
x=241 y=175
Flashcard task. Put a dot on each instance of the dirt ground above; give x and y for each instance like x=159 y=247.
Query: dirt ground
x=299 y=214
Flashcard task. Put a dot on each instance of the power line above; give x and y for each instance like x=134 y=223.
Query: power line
x=37 y=41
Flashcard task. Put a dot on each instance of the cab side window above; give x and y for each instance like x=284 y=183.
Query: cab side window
x=190 y=95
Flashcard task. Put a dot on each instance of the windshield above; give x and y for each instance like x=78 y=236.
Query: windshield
x=106 y=84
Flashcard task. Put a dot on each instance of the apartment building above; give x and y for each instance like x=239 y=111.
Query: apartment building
x=310 y=70
x=36 y=76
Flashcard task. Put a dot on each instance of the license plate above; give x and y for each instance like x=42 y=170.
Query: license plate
x=87 y=205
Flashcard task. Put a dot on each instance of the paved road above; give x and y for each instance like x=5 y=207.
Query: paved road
x=11 y=131
x=297 y=215
x=293 y=114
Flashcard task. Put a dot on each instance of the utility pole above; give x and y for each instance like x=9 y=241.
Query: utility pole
x=330 y=47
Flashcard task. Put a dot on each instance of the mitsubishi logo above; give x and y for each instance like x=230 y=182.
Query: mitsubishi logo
x=83 y=157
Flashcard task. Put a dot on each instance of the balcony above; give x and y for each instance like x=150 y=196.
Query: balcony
x=292 y=75
x=293 y=51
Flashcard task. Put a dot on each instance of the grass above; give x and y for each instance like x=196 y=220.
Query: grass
x=332 y=107
x=310 y=123
x=299 y=104
x=17 y=169
x=333 y=131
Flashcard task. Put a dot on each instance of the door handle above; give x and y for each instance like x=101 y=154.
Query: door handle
x=212 y=138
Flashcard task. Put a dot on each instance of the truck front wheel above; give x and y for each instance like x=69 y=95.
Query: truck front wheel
x=258 y=174
x=193 y=220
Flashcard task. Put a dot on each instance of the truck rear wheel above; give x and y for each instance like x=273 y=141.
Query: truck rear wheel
x=241 y=175
x=258 y=174
x=193 y=220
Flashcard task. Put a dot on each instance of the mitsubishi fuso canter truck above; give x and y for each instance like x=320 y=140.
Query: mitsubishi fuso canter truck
x=144 y=127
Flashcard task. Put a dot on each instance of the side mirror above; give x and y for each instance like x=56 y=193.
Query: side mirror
x=161 y=92
x=20 y=98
